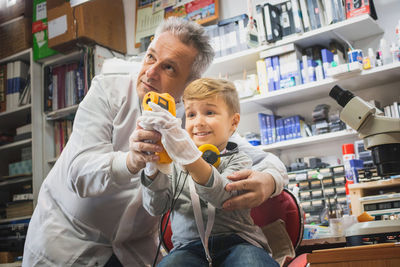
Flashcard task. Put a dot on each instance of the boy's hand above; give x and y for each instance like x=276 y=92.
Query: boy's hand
x=176 y=141
x=256 y=186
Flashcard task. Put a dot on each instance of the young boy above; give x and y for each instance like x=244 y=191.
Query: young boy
x=212 y=116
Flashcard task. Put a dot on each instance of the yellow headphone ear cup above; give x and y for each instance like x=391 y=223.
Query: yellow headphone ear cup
x=213 y=149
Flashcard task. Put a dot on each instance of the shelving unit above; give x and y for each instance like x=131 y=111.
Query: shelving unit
x=300 y=99
x=311 y=91
x=352 y=30
x=15 y=118
x=311 y=140
x=10 y=153
x=49 y=118
x=370 y=188
x=311 y=192
x=16 y=181
x=15 y=145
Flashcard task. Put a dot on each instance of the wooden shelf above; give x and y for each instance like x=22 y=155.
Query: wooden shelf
x=352 y=29
x=14 y=219
x=14 y=264
x=23 y=56
x=311 y=140
x=315 y=90
x=14 y=145
x=376 y=184
x=13 y=118
x=52 y=160
x=59 y=59
x=62 y=113
x=15 y=181
x=368 y=189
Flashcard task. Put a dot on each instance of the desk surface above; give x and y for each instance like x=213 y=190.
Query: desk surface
x=387 y=254
x=322 y=241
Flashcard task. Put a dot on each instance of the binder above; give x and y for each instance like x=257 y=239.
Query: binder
x=280 y=130
x=3 y=87
x=262 y=35
x=314 y=14
x=304 y=15
x=286 y=18
x=276 y=71
x=10 y=86
x=233 y=34
x=270 y=74
x=327 y=58
x=272 y=23
x=20 y=76
x=215 y=42
x=298 y=24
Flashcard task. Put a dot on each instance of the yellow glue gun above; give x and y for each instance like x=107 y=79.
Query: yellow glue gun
x=166 y=101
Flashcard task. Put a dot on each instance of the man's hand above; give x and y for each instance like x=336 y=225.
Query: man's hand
x=142 y=145
x=257 y=187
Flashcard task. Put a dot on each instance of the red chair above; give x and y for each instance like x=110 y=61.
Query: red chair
x=285 y=206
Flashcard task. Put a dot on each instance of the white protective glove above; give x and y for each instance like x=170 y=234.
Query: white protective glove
x=150 y=169
x=176 y=141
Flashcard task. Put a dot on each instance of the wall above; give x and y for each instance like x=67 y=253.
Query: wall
x=388 y=17
x=130 y=12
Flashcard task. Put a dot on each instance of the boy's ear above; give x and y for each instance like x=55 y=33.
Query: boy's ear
x=235 y=121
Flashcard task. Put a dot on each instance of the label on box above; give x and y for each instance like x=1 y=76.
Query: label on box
x=41 y=12
x=57 y=26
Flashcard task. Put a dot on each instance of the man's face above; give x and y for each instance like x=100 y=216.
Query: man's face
x=166 y=67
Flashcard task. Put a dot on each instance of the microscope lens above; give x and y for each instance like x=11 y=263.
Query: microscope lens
x=341 y=95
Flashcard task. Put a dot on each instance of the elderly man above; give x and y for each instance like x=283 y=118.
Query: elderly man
x=89 y=207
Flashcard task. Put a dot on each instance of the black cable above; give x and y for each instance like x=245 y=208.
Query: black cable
x=173 y=202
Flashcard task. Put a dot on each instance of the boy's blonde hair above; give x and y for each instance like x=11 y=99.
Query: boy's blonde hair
x=203 y=88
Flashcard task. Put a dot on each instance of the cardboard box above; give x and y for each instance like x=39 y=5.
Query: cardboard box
x=13 y=9
x=20 y=167
x=40 y=32
x=100 y=21
x=8 y=257
x=15 y=36
x=54 y=3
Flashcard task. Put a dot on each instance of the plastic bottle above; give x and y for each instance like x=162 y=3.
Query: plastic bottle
x=348 y=154
x=397 y=32
x=394 y=50
x=371 y=57
x=384 y=52
x=251 y=31
x=378 y=60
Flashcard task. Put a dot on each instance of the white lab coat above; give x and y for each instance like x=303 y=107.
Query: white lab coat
x=90 y=205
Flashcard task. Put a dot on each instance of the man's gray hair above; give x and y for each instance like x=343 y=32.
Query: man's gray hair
x=190 y=33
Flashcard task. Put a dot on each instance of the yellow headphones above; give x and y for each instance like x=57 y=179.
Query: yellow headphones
x=212 y=155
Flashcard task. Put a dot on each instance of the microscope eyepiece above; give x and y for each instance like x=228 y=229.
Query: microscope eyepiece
x=341 y=95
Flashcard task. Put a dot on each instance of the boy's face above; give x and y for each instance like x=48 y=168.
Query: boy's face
x=208 y=121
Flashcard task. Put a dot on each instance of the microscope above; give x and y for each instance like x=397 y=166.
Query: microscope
x=380 y=134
